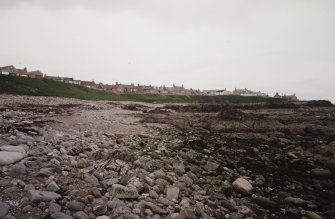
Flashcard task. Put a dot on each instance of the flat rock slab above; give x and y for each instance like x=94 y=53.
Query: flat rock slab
x=42 y=196
x=12 y=148
x=10 y=157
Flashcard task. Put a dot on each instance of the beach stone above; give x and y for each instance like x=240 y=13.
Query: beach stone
x=9 y=157
x=99 y=207
x=54 y=208
x=242 y=185
x=211 y=166
x=172 y=193
x=12 y=148
x=75 y=205
x=187 y=213
x=154 y=208
x=60 y=215
x=103 y=217
x=80 y=215
x=18 y=169
x=53 y=187
x=42 y=196
x=4 y=208
x=320 y=172
x=124 y=192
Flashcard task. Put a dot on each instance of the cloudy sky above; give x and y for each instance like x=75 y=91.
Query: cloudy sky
x=268 y=45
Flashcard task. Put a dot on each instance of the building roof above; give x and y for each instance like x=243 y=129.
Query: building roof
x=88 y=83
x=37 y=72
x=9 y=68
x=23 y=71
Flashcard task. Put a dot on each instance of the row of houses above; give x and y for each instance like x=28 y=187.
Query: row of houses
x=132 y=88
x=11 y=70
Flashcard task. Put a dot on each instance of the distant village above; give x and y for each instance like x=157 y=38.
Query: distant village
x=137 y=88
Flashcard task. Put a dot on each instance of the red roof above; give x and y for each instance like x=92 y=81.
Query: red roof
x=23 y=71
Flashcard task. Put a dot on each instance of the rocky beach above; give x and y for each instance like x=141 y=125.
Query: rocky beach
x=63 y=158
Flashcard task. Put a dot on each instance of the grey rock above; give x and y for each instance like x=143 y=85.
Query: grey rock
x=172 y=193
x=211 y=166
x=91 y=180
x=29 y=187
x=9 y=157
x=61 y=215
x=186 y=179
x=99 y=207
x=297 y=201
x=115 y=203
x=4 y=208
x=96 y=192
x=3 y=142
x=54 y=208
x=53 y=187
x=153 y=207
x=18 y=169
x=42 y=196
x=75 y=205
x=235 y=215
x=45 y=172
x=165 y=201
x=242 y=186
x=103 y=217
x=153 y=194
x=80 y=215
x=264 y=202
x=27 y=208
x=187 y=213
x=312 y=215
x=8 y=216
x=123 y=212
x=11 y=148
x=179 y=168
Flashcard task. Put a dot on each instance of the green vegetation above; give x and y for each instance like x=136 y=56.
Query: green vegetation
x=44 y=87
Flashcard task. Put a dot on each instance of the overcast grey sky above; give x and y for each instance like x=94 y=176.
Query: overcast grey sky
x=286 y=46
